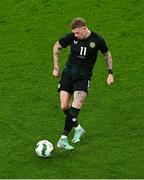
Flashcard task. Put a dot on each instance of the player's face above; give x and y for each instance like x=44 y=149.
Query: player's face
x=80 y=33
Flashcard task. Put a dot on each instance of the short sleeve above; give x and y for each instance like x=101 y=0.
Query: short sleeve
x=102 y=45
x=67 y=40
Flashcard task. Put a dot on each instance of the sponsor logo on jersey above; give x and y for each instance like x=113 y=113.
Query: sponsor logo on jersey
x=92 y=44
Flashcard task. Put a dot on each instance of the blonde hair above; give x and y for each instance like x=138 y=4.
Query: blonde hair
x=78 y=23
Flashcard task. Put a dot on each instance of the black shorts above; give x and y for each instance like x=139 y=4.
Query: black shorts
x=71 y=83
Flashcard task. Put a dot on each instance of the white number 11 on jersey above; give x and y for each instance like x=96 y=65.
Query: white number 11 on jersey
x=83 y=51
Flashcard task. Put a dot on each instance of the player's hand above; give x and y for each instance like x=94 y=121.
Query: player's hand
x=110 y=79
x=56 y=72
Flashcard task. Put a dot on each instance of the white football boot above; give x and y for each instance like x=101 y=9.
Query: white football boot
x=63 y=143
x=79 y=132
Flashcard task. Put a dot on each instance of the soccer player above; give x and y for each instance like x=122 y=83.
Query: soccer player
x=77 y=73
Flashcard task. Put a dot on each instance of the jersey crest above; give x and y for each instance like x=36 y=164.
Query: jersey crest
x=92 y=44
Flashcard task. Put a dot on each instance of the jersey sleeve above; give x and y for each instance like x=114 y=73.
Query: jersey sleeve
x=102 y=45
x=66 y=40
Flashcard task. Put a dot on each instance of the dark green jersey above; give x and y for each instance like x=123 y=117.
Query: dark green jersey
x=84 y=52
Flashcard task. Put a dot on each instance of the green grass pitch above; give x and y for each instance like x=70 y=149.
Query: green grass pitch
x=113 y=116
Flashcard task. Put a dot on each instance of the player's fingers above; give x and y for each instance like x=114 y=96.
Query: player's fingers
x=56 y=75
x=109 y=81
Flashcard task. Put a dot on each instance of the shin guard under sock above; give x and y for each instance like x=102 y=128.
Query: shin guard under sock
x=71 y=120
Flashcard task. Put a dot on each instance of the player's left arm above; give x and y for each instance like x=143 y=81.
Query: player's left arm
x=108 y=60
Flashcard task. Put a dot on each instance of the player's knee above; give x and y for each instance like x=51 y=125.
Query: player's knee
x=64 y=107
x=77 y=104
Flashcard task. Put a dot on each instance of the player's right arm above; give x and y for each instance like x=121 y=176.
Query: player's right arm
x=56 y=52
x=62 y=43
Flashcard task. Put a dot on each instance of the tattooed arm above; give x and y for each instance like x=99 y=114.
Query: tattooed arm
x=56 y=51
x=108 y=59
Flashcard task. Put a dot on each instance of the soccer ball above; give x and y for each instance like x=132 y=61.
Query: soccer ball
x=44 y=148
